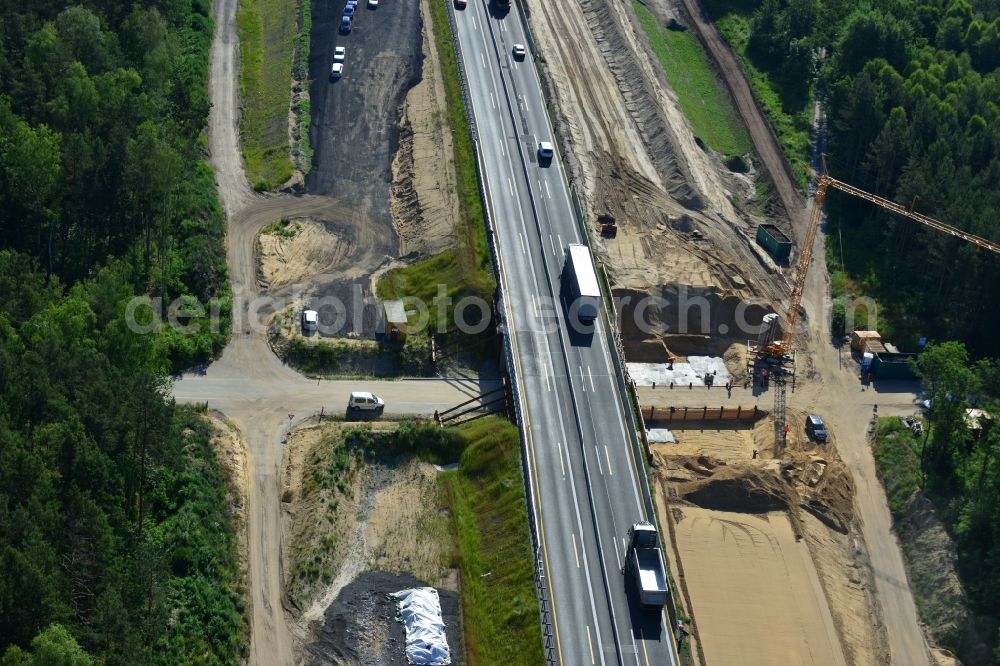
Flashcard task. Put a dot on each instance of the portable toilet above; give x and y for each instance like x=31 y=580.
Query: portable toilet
x=394 y=321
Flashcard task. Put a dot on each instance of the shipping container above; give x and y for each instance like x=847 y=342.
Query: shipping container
x=893 y=366
x=774 y=241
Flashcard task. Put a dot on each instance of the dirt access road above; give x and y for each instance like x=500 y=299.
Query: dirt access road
x=248 y=383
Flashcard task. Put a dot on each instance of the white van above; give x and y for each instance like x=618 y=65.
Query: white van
x=366 y=402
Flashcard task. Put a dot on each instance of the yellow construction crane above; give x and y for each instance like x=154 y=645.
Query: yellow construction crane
x=778 y=353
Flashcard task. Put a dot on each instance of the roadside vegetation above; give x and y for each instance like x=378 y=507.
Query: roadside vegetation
x=116 y=537
x=909 y=89
x=269 y=34
x=466 y=269
x=702 y=97
x=361 y=358
x=781 y=73
x=486 y=496
x=954 y=463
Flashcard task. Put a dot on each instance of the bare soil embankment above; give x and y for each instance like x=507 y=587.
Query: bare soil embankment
x=353 y=533
x=633 y=156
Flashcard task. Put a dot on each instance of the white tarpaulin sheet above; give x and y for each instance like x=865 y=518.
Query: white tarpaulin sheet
x=420 y=611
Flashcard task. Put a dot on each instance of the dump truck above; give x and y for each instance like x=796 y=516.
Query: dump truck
x=644 y=563
x=581 y=282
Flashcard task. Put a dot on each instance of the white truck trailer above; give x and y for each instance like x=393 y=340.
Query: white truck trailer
x=581 y=282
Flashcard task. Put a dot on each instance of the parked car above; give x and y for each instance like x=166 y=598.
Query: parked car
x=349 y=9
x=365 y=402
x=519 y=51
x=815 y=428
x=336 y=70
x=372 y=4
x=339 y=53
x=345 y=24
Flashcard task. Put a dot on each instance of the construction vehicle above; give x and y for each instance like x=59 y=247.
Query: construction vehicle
x=609 y=228
x=644 y=561
x=772 y=358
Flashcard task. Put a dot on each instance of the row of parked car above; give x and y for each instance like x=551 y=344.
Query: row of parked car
x=346 y=23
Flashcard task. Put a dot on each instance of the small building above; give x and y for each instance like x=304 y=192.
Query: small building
x=976 y=418
x=859 y=338
x=310 y=320
x=774 y=241
x=393 y=321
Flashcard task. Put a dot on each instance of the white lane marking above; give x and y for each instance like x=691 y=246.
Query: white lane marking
x=524 y=246
x=591 y=375
x=474 y=26
x=581 y=377
x=618 y=557
x=559 y=236
x=552 y=242
x=503 y=151
x=483 y=58
x=547 y=192
x=547 y=362
x=503 y=25
x=607 y=454
x=493 y=99
x=577 y=554
x=600 y=465
x=561 y=465
x=534 y=305
x=510 y=185
x=591 y=645
x=526 y=106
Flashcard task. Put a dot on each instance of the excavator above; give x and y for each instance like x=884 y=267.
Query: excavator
x=773 y=357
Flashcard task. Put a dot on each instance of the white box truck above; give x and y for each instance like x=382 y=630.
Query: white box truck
x=644 y=562
x=581 y=282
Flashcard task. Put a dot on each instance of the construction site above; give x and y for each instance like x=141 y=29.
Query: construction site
x=770 y=532
x=725 y=331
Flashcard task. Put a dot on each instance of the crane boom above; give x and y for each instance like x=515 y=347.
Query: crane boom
x=825 y=182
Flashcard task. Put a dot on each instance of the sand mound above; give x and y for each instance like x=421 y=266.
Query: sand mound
x=737 y=489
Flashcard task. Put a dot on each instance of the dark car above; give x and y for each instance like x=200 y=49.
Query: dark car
x=815 y=428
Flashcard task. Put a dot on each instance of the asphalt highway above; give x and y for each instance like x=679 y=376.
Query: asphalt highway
x=583 y=471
